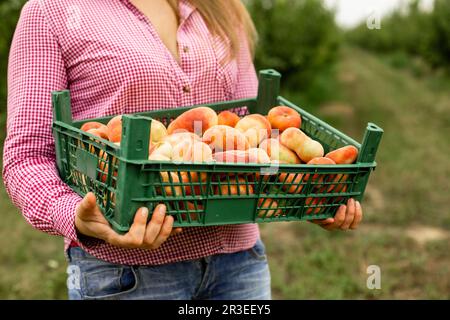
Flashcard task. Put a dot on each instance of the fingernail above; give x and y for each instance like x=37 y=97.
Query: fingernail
x=358 y=204
x=144 y=211
x=351 y=201
x=161 y=209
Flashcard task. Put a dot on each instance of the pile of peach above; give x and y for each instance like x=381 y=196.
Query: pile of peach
x=200 y=135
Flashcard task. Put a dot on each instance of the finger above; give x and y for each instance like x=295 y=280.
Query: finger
x=134 y=238
x=87 y=205
x=155 y=224
x=339 y=217
x=166 y=229
x=176 y=231
x=322 y=222
x=358 y=216
x=349 y=214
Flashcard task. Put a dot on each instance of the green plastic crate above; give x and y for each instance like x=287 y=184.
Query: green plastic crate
x=124 y=180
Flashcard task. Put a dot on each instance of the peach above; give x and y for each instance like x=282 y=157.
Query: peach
x=157 y=131
x=92 y=125
x=233 y=156
x=115 y=129
x=100 y=132
x=172 y=179
x=315 y=205
x=176 y=138
x=192 y=151
x=239 y=187
x=309 y=150
x=293 y=138
x=291 y=182
x=196 y=120
x=268 y=208
x=164 y=149
x=255 y=127
x=192 y=208
x=158 y=157
x=279 y=152
x=190 y=183
x=344 y=155
x=282 y=118
x=319 y=161
x=257 y=155
x=223 y=138
x=228 y=118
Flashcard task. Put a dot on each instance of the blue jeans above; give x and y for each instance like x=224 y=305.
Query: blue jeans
x=242 y=275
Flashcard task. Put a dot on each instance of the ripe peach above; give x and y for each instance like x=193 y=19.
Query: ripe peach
x=228 y=118
x=268 y=208
x=115 y=129
x=255 y=127
x=239 y=187
x=176 y=138
x=196 y=120
x=172 y=179
x=293 y=138
x=277 y=151
x=92 y=125
x=100 y=132
x=315 y=205
x=291 y=182
x=319 y=161
x=231 y=156
x=162 y=148
x=192 y=208
x=257 y=155
x=157 y=131
x=282 y=118
x=309 y=150
x=158 y=157
x=344 y=155
x=223 y=138
x=192 y=151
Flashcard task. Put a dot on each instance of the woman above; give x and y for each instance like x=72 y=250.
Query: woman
x=127 y=56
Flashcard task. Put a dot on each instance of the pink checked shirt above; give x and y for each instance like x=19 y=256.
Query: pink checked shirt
x=108 y=54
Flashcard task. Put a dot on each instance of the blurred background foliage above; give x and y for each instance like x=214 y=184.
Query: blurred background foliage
x=397 y=77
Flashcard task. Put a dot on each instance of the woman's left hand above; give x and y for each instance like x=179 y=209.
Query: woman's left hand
x=347 y=217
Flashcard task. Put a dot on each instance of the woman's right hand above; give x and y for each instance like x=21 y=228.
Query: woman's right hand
x=89 y=221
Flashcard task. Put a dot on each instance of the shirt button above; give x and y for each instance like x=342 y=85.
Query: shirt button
x=186 y=49
x=186 y=89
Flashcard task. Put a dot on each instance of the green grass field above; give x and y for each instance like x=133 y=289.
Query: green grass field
x=407 y=216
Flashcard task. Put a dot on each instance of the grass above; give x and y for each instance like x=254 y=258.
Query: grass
x=408 y=190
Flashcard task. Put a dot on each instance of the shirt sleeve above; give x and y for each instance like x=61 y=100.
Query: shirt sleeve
x=36 y=68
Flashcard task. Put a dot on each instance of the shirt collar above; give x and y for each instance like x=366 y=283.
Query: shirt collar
x=186 y=8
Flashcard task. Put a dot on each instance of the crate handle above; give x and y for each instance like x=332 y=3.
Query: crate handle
x=370 y=143
x=268 y=90
x=62 y=110
x=135 y=137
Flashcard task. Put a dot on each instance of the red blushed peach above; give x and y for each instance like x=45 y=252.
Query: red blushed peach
x=224 y=138
x=291 y=182
x=170 y=190
x=239 y=187
x=196 y=120
x=315 y=205
x=344 y=155
x=318 y=178
x=93 y=125
x=190 y=181
x=279 y=152
x=190 y=206
x=115 y=129
x=268 y=208
x=255 y=127
x=228 y=118
x=282 y=118
x=164 y=149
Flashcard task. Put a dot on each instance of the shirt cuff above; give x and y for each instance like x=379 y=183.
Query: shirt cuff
x=63 y=214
